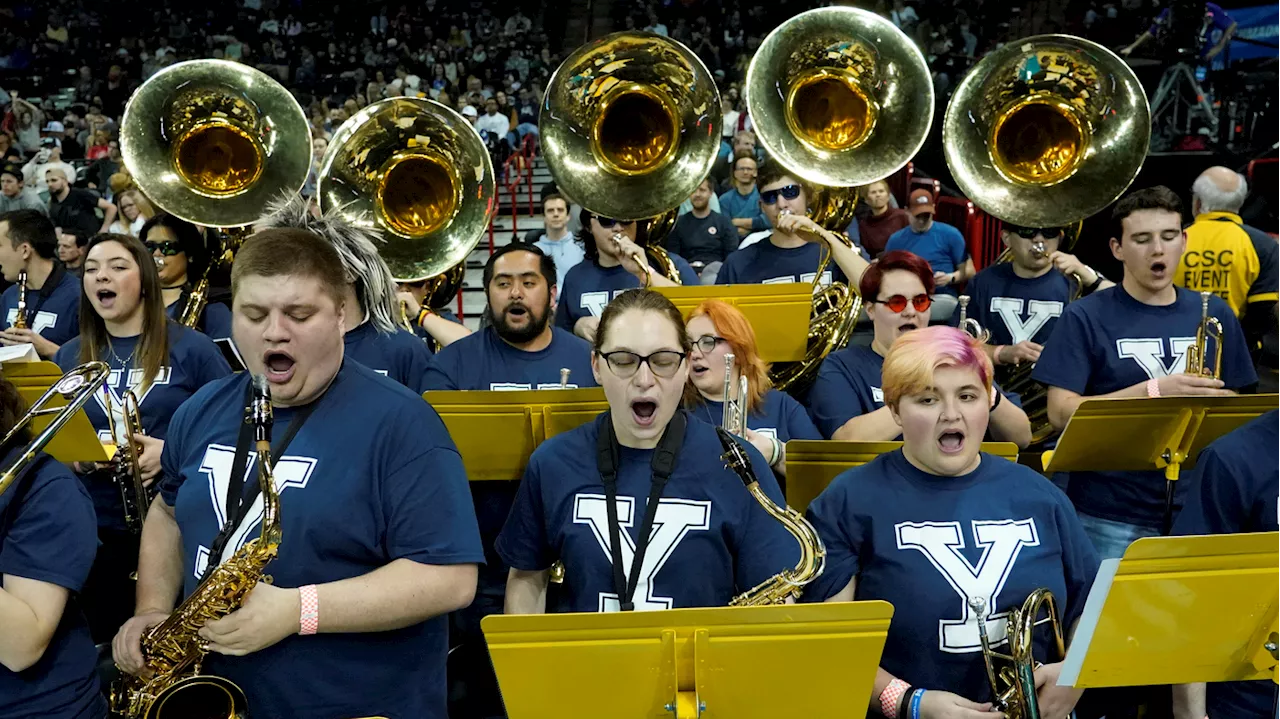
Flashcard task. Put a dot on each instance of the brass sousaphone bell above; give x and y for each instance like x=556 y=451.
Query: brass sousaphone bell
x=417 y=174
x=841 y=98
x=213 y=142
x=630 y=125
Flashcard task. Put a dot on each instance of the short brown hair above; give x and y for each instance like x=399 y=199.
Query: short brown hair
x=290 y=252
x=771 y=171
x=645 y=300
x=555 y=196
x=1148 y=198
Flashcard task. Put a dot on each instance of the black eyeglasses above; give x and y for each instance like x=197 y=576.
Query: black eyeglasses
x=1029 y=233
x=706 y=343
x=770 y=197
x=607 y=222
x=168 y=248
x=898 y=303
x=662 y=363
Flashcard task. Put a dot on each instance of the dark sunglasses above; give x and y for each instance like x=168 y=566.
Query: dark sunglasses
x=1029 y=233
x=607 y=222
x=770 y=197
x=898 y=303
x=168 y=248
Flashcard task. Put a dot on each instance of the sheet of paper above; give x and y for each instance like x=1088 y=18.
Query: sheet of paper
x=19 y=353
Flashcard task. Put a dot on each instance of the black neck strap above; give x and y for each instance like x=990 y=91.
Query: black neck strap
x=50 y=284
x=238 y=500
x=663 y=464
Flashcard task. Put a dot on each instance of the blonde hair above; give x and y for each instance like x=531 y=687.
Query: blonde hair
x=914 y=357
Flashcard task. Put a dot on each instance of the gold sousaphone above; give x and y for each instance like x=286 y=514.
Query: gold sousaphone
x=630 y=125
x=841 y=98
x=417 y=174
x=212 y=142
x=1045 y=132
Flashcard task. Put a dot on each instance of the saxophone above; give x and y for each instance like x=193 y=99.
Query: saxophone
x=20 y=319
x=813 y=556
x=173 y=651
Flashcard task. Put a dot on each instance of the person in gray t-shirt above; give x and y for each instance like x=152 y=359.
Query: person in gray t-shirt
x=13 y=196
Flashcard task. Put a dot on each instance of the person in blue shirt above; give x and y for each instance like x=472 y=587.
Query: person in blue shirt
x=374 y=337
x=847 y=401
x=379 y=541
x=700 y=536
x=1131 y=340
x=937 y=524
x=610 y=268
x=741 y=202
x=178 y=249
x=716 y=328
x=29 y=243
x=1234 y=491
x=48 y=664
x=791 y=252
x=1019 y=301
x=940 y=244
x=123 y=323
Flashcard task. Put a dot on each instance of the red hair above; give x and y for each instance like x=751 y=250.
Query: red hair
x=869 y=285
x=733 y=326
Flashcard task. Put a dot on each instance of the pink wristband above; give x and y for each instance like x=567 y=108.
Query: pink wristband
x=309 y=621
x=1153 y=388
x=891 y=697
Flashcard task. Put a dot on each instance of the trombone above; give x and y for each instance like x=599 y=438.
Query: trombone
x=734 y=416
x=74 y=388
x=1210 y=329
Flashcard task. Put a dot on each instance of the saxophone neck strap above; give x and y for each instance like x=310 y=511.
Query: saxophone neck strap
x=663 y=463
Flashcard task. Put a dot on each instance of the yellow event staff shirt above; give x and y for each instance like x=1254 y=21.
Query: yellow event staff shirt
x=1229 y=259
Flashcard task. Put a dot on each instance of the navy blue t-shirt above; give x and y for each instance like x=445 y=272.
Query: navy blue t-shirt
x=848 y=386
x=1016 y=309
x=926 y=544
x=194 y=361
x=371 y=477
x=216 y=322
x=48 y=534
x=588 y=287
x=711 y=539
x=482 y=360
x=764 y=263
x=778 y=415
x=1109 y=341
x=400 y=356
x=56 y=317
x=942 y=246
x=1236 y=490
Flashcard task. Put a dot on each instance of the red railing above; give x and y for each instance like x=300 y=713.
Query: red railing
x=517 y=170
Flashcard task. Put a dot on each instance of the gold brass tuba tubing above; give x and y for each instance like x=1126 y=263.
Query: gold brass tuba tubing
x=417 y=174
x=1013 y=686
x=74 y=388
x=1210 y=330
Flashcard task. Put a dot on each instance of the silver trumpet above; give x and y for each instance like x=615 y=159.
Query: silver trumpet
x=734 y=417
x=969 y=324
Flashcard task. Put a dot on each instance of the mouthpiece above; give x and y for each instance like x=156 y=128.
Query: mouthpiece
x=259 y=412
x=564 y=377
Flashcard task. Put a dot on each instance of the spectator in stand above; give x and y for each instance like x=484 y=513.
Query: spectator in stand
x=492 y=121
x=76 y=210
x=135 y=210
x=71 y=251
x=702 y=236
x=875 y=229
x=557 y=242
x=68 y=141
x=14 y=196
x=469 y=112
x=743 y=143
x=100 y=147
x=49 y=157
x=741 y=204
x=941 y=245
x=527 y=117
x=100 y=172
x=29 y=121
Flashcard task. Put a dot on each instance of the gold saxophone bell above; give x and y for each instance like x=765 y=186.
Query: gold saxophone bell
x=1210 y=329
x=630 y=125
x=416 y=173
x=1013 y=685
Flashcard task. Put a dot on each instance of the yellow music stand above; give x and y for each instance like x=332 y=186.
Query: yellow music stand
x=77 y=441
x=1178 y=610
x=496 y=431
x=816 y=661
x=779 y=314
x=812 y=464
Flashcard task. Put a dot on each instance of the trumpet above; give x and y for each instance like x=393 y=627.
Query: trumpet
x=969 y=324
x=734 y=416
x=1013 y=688
x=1197 y=355
x=20 y=319
x=125 y=471
x=74 y=388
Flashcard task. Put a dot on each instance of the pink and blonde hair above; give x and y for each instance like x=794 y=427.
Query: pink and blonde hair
x=914 y=357
x=734 y=327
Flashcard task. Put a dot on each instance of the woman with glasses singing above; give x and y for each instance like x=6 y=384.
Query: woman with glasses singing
x=715 y=329
x=847 y=401
x=1020 y=301
x=123 y=323
x=792 y=252
x=178 y=249
x=610 y=267
x=947 y=534
x=637 y=504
